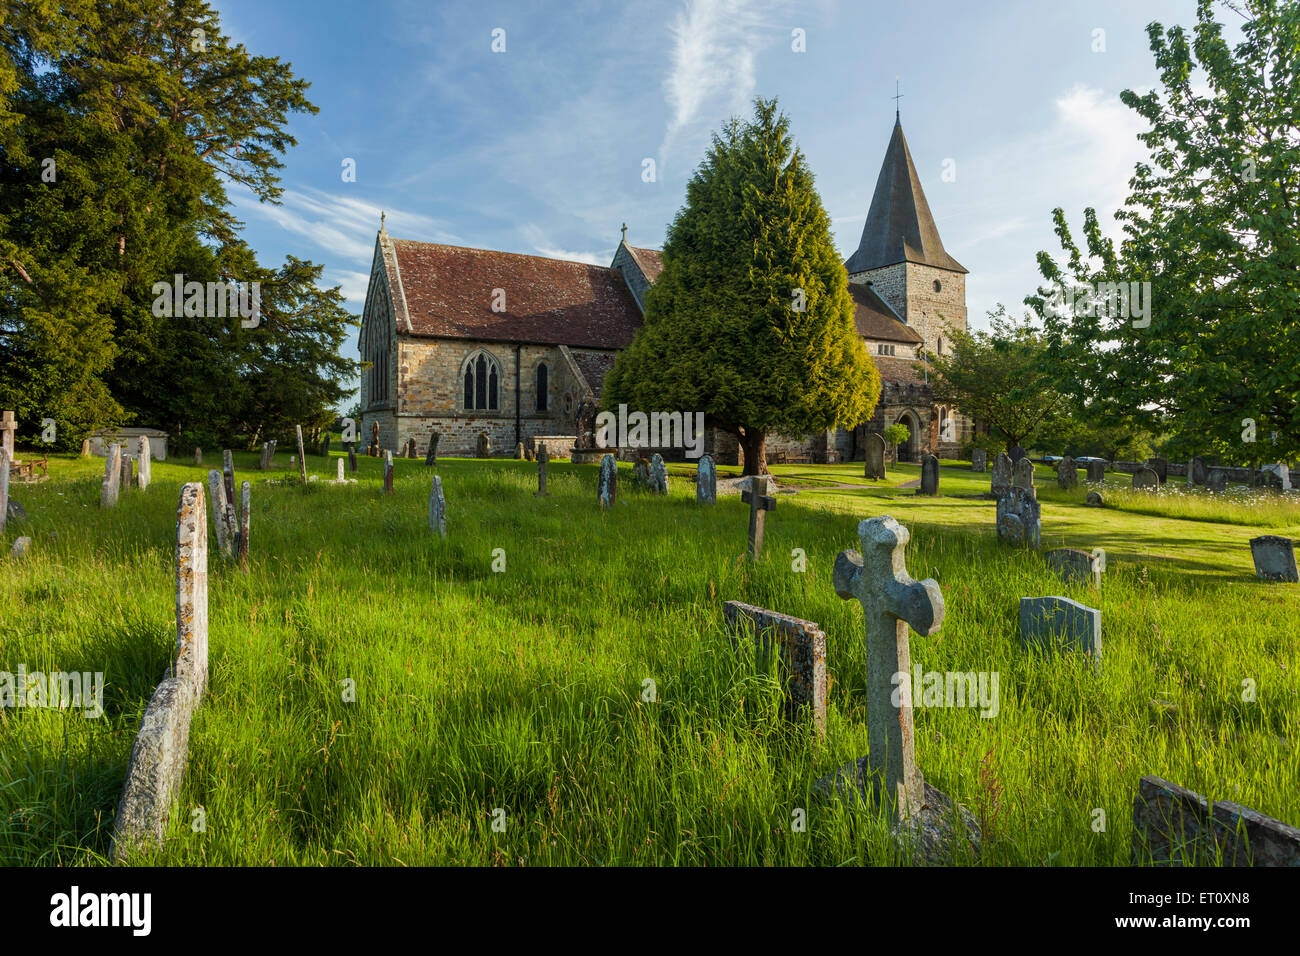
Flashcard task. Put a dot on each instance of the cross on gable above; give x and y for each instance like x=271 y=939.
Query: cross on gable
x=891 y=603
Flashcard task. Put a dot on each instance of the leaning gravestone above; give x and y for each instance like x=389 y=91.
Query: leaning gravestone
x=543 y=458
x=801 y=656
x=607 y=486
x=1146 y=478
x=1058 y=622
x=875 y=457
x=1001 y=479
x=1067 y=474
x=979 y=460
x=437 y=507
x=1174 y=825
x=432 y=457
x=4 y=488
x=1274 y=558
x=1161 y=467
x=1022 y=475
x=1016 y=453
x=112 y=477
x=706 y=481
x=658 y=475
x=929 y=476
x=1217 y=480
x=1074 y=564
x=1096 y=472
x=245 y=521
x=221 y=513
x=484 y=449
x=1196 y=471
x=144 y=474
x=887 y=777
x=1019 y=518
x=760 y=502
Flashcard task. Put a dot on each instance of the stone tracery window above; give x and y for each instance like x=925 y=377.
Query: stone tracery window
x=481 y=379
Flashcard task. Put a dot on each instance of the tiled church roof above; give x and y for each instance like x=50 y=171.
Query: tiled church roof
x=899 y=371
x=876 y=320
x=651 y=262
x=594 y=367
x=448 y=291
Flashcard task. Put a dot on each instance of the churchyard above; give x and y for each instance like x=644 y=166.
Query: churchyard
x=553 y=681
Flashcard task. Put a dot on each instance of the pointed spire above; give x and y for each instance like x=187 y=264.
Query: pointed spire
x=899 y=225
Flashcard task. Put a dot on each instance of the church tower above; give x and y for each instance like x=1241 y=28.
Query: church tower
x=902 y=257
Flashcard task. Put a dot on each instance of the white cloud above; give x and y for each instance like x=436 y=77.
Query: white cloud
x=543 y=246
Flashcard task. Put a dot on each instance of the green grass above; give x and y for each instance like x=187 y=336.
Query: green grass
x=523 y=690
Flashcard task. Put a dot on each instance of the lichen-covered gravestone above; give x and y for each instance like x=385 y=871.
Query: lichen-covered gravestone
x=22 y=547
x=1067 y=474
x=1059 y=623
x=1096 y=472
x=658 y=475
x=1074 y=564
x=221 y=513
x=760 y=502
x=437 y=507
x=607 y=485
x=706 y=481
x=979 y=460
x=1019 y=518
x=1274 y=558
x=801 y=655
x=112 y=477
x=1174 y=825
x=128 y=472
x=875 y=456
x=1146 y=478
x=887 y=776
x=432 y=457
x=484 y=449
x=1001 y=477
x=929 y=476
x=144 y=473
x=641 y=473
x=1022 y=476
x=543 y=458
x=245 y=522
x=228 y=476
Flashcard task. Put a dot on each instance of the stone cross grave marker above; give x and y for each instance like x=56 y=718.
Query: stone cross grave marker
x=484 y=449
x=658 y=475
x=1019 y=517
x=1016 y=453
x=607 y=487
x=1022 y=475
x=388 y=472
x=543 y=458
x=1074 y=564
x=1161 y=467
x=1146 y=478
x=1274 y=558
x=144 y=472
x=245 y=522
x=1067 y=474
x=1096 y=472
x=4 y=489
x=192 y=585
x=1001 y=477
x=432 y=457
x=706 y=481
x=8 y=425
x=302 y=458
x=929 y=476
x=875 y=457
x=437 y=507
x=221 y=514
x=1174 y=825
x=1052 y=622
x=112 y=477
x=979 y=460
x=760 y=502
x=801 y=650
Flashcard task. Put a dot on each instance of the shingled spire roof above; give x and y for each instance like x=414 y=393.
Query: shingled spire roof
x=899 y=225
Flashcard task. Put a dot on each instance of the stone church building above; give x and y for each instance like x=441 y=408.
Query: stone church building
x=463 y=341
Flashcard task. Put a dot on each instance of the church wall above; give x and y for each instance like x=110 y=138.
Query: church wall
x=632 y=275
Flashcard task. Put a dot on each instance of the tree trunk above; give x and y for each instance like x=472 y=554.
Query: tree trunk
x=754 y=445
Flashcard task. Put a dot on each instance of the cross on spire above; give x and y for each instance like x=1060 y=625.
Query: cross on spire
x=625 y=232
x=897 y=96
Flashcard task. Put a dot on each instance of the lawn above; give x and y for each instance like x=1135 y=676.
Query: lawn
x=584 y=706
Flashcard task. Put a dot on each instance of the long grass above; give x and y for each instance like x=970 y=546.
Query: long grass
x=584 y=705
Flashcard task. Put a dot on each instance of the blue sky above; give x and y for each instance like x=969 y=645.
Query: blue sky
x=540 y=149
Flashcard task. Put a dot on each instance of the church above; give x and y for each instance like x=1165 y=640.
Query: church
x=464 y=341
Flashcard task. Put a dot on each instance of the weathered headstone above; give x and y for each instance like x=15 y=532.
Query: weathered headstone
x=220 y=514
x=528 y=453
x=875 y=456
x=892 y=602
x=128 y=472
x=1176 y=826
x=607 y=488
x=1067 y=474
x=228 y=477
x=85 y=448
x=1015 y=453
x=264 y=463
x=192 y=587
x=339 y=468
x=198 y=455
x=543 y=458
x=22 y=547
x=432 y=457
x=302 y=457
x=1274 y=558
x=1075 y=564
x=410 y=448
x=1216 y=480
x=1096 y=472
x=437 y=507
x=484 y=449
x=1001 y=477
x=519 y=451
x=374 y=440
x=979 y=460
x=1280 y=475
x=641 y=473
x=760 y=502
x=1196 y=471
x=388 y=472
x=1161 y=467
x=8 y=425
x=658 y=475
x=1146 y=478
x=706 y=481
x=144 y=469
x=325 y=446
x=1022 y=476
x=801 y=654
x=4 y=489
x=352 y=460
x=112 y=477
x=1094 y=500
x=245 y=522
x=1058 y=622
x=929 y=476
x=1019 y=518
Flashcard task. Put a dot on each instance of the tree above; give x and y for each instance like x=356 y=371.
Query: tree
x=897 y=433
x=1213 y=225
x=1000 y=378
x=750 y=321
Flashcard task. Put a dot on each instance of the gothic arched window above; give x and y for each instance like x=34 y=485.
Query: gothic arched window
x=481 y=380
x=543 y=396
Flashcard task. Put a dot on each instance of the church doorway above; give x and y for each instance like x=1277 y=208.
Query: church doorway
x=907 y=449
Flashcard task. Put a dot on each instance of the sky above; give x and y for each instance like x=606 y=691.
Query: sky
x=541 y=148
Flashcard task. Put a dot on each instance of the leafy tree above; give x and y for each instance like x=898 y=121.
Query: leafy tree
x=750 y=321
x=897 y=433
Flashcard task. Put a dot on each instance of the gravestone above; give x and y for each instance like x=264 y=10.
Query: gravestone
x=519 y=451
x=4 y=489
x=339 y=468
x=979 y=460
x=875 y=456
x=1280 y=475
x=658 y=475
x=1094 y=500
x=1015 y=453
x=198 y=455
x=607 y=486
x=641 y=473
x=431 y=457
x=302 y=458
x=228 y=476
x=1019 y=518
x=1096 y=472
x=374 y=440
x=706 y=481
x=484 y=449
x=144 y=471
x=1022 y=476
x=262 y=463
x=543 y=458
x=410 y=448
x=1146 y=478
x=22 y=547
x=929 y=476
x=760 y=502
x=325 y=446
x=1074 y=564
x=528 y=453
x=85 y=448
x=388 y=472
x=1176 y=826
x=1274 y=558
x=1067 y=474
x=1001 y=477
x=15 y=511
x=1057 y=622
x=245 y=521
x=801 y=655
x=1161 y=467
x=112 y=477
x=437 y=507
x=1216 y=480
x=128 y=472
x=887 y=776
x=1196 y=471
x=8 y=425
x=352 y=460
x=221 y=514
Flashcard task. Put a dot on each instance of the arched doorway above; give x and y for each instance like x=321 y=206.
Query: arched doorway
x=907 y=449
